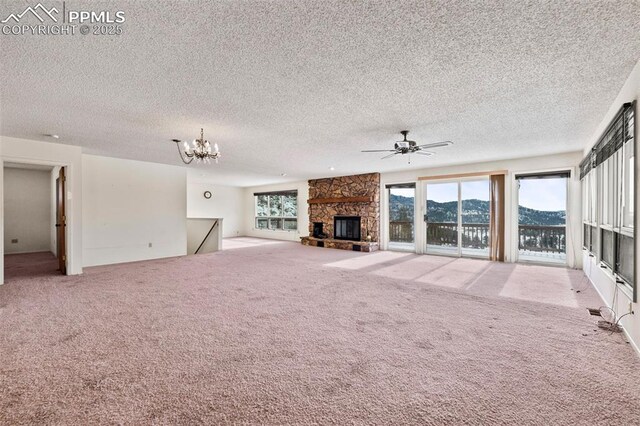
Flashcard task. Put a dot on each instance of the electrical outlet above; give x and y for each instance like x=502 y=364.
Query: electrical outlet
x=150 y=245
x=14 y=241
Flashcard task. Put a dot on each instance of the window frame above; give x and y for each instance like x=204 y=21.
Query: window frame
x=613 y=168
x=282 y=218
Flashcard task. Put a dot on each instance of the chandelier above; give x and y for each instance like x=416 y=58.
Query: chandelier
x=198 y=149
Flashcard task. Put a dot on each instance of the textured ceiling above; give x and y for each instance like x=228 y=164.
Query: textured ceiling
x=297 y=87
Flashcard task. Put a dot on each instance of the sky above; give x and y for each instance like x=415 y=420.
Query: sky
x=538 y=194
x=442 y=192
x=544 y=194
x=404 y=192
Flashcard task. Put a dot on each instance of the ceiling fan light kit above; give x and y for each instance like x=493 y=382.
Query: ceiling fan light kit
x=199 y=149
x=409 y=147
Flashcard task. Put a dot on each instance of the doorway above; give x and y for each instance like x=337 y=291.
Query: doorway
x=457 y=218
x=401 y=216
x=542 y=217
x=32 y=204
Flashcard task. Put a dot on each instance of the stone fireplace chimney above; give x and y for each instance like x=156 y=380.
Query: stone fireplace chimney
x=351 y=203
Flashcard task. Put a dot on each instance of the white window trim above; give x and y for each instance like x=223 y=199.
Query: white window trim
x=268 y=218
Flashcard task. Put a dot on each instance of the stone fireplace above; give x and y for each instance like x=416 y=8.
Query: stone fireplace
x=344 y=212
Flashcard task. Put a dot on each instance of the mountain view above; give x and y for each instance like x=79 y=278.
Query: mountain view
x=473 y=211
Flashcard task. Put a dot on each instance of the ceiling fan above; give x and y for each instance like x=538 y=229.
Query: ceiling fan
x=406 y=146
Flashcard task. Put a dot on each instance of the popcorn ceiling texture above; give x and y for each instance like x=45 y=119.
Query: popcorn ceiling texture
x=279 y=333
x=299 y=86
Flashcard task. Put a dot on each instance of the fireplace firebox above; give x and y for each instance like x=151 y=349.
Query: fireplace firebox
x=318 y=230
x=346 y=228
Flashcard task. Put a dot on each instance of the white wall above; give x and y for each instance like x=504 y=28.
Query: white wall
x=226 y=203
x=616 y=297
x=27 y=210
x=303 y=212
x=128 y=205
x=567 y=161
x=16 y=150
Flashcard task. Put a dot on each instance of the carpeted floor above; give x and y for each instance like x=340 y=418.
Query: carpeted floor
x=33 y=265
x=286 y=334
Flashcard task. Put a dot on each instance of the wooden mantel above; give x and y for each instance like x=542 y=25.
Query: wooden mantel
x=363 y=199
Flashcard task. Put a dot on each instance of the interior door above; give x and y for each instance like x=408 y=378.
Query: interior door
x=61 y=221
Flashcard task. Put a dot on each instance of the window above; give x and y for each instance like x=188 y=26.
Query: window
x=590 y=194
x=593 y=198
x=624 y=258
x=586 y=237
x=277 y=210
x=607 y=189
x=628 y=199
x=593 y=244
x=608 y=183
x=607 y=248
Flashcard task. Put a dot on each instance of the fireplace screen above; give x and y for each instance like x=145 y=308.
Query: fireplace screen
x=346 y=228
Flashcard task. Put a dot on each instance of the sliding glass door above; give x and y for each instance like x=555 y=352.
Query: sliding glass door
x=402 y=217
x=474 y=239
x=457 y=218
x=443 y=214
x=542 y=213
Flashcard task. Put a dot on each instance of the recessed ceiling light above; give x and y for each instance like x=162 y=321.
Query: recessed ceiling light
x=53 y=136
x=283 y=174
x=332 y=168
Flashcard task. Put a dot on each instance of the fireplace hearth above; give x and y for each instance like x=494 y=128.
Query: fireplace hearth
x=346 y=228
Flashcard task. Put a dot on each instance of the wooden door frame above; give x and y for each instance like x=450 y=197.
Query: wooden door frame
x=61 y=204
x=70 y=176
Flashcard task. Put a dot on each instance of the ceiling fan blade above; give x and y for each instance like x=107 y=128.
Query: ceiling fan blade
x=379 y=150
x=436 y=144
x=388 y=156
x=427 y=153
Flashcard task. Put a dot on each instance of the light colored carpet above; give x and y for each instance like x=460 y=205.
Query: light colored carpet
x=287 y=334
x=30 y=265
